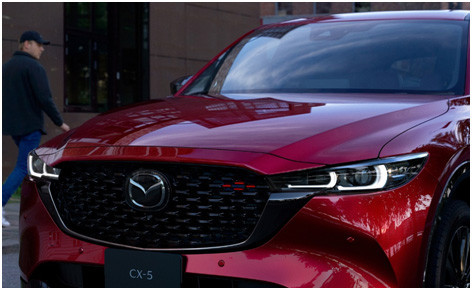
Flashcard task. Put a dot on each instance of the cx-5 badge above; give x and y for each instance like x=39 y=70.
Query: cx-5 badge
x=147 y=190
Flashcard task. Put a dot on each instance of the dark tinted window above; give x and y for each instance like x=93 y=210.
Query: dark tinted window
x=359 y=56
x=106 y=55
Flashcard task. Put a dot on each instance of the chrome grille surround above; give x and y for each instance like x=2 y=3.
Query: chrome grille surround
x=210 y=206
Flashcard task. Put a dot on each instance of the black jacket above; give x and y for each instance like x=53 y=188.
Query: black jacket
x=26 y=94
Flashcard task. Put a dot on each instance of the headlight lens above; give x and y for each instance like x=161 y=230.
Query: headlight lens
x=39 y=169
x=378 y=174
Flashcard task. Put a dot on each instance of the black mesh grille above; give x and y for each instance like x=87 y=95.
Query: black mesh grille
x=209 y=206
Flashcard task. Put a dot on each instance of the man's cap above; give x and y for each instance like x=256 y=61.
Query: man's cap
x=33 y=35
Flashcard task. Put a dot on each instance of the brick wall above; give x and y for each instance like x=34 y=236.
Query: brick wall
x=185 y=36
x=341 y=7
x=302 y=8
x=267 y=8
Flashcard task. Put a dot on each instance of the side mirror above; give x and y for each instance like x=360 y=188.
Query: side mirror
x=178 y=83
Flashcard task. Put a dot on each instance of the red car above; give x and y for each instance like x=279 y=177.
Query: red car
x=325 y=152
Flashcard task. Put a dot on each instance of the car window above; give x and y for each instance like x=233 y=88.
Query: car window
x=358 y=56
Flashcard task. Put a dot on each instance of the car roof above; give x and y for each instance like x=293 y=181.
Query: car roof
x=385 y=15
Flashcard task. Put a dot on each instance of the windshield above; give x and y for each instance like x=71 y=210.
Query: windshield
x=420 y=57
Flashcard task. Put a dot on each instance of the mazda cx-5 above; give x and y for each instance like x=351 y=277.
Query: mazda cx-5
x=323 y=152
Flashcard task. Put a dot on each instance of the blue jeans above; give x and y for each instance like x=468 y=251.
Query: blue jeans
x=25 y=144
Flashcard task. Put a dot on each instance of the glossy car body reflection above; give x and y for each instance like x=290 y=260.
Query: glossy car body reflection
x=360 y=239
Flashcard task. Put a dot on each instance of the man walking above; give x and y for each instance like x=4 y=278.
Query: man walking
x=26 y=95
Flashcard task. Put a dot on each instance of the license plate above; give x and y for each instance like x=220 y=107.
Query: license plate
x=140 y=269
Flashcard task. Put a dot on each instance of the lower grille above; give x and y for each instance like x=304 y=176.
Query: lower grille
x=209 y=206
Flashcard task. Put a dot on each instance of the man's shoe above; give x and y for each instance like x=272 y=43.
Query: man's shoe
x=5 y=223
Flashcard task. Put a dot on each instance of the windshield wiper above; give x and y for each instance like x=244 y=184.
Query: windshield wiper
x=206 y=95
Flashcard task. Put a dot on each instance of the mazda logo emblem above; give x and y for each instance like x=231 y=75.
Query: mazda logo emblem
x=147 y=190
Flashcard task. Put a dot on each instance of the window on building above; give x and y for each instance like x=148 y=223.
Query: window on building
x=284 y=8
x=361 y=6
x=455 y=5
x=106 y=55
x=323 y=7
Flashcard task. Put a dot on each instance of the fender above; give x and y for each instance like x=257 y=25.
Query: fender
x=456 y=180
x=451 y=150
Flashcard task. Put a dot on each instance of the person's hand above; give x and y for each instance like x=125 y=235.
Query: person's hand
x=65 y=127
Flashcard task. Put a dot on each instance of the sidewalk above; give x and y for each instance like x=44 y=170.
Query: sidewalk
x=10 y=235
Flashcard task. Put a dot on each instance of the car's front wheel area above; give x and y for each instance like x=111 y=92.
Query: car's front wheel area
x=448 y=263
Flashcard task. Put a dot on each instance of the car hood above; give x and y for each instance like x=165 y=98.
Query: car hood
x=315 y=128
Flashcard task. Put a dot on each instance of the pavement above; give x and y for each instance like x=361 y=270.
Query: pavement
x=10 y=235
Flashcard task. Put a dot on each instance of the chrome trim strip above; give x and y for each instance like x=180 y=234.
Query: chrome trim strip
x=288 y=196
x=331 y=184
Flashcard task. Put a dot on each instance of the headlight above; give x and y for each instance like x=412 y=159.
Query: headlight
x=39 y=169
x=374 y=175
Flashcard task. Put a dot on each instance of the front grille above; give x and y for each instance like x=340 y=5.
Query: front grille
x=209 y=206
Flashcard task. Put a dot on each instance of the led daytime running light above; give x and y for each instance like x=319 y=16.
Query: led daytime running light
x=32 y=157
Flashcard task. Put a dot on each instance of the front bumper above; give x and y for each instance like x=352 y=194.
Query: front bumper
x=371 y=240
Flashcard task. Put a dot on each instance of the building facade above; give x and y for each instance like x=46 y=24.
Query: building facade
x=106 y=55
